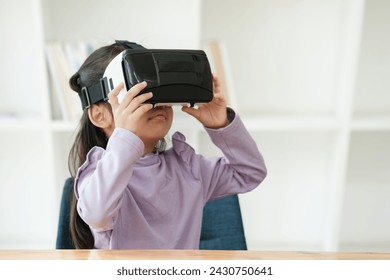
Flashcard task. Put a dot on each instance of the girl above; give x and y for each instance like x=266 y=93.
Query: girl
x=129 y=192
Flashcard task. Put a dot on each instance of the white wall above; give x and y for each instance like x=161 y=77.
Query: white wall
x=373 y=83
x=156 y=24
x=20 y=58
x=284 y=54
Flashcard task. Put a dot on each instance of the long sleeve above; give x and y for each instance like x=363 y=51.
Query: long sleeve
x=240 y=170
x=103 y=178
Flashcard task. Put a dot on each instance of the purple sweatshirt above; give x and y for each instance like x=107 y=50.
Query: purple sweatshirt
x=155 y=201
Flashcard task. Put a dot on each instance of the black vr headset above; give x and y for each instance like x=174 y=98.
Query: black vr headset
x=174 y=76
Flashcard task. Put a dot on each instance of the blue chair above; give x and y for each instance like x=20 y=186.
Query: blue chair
x=222 y=227
x=64 y=239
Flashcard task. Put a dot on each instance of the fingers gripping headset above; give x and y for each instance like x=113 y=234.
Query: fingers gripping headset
x=174 y=76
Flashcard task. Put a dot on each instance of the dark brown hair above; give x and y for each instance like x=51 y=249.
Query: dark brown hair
x=88 y=135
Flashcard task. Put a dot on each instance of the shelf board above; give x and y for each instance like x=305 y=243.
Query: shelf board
x=272 y=123
x=370 y=123
x=282 y=123
x=17 y=124
x=63 y=126
x=253 y=123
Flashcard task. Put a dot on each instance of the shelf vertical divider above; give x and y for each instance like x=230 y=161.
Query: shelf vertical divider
x=349 y=56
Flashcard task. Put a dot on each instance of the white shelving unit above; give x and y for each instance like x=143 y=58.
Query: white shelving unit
x=309 y=80
x=367 y=182
x=35 y=140
x=27 y=197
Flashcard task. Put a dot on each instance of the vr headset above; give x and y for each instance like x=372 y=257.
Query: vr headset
x=174 y=76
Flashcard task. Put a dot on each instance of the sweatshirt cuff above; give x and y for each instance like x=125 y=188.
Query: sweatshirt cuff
x=122 y=140
x=232 y=117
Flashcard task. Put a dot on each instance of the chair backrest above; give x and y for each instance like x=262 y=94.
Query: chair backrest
x=64 y=239
x=222 y=227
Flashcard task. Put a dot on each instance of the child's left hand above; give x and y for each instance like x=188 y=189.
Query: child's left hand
x=212 y=114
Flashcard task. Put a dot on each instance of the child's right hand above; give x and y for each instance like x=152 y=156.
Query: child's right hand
x=128 y=113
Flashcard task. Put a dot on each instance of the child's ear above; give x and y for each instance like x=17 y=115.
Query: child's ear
x=100 y=116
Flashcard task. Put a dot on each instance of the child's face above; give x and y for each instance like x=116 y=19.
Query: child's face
x=156 y=124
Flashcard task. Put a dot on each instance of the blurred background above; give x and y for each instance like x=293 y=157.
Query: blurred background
x=310 y=79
